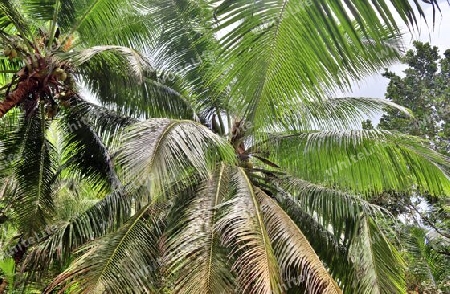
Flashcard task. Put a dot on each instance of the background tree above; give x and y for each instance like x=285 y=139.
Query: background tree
x=367 y=125
x=240 y=187
x=425 y=89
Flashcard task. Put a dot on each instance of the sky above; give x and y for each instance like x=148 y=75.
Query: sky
x=375 y=86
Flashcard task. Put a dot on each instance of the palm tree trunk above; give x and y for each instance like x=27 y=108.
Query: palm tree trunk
x=23 y=89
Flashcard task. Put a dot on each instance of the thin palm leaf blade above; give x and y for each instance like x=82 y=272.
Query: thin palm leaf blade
x=102 y=218
x=35 y=169
x=328 y=246
x=85 y=151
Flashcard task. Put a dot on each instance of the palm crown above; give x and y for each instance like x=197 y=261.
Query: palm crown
x=251 y=182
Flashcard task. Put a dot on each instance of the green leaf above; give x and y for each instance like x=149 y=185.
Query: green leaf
x=139 y=94
x=10 y=10
x=84 y=151
x=334 y=113
x=366 y=161
x=294 y=46
x=102 y=218
x=121 y=262
x=34 y=169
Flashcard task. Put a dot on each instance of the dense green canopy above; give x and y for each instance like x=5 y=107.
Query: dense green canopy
x=213 y=159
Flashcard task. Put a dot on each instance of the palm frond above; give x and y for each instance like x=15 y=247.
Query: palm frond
x=8 y=127
x=7 y=267
x=328 y=246
x=7 y=70
x=339 y=211
x=186 y=36
x=425 y=266
x=336 y=113
x=379 y=267
x=34 y=169
x=121 y=262
x=106 y=123
x=102 y=218
x=186 y=49
x=127 y=27
x=362 y=161
x=195 y=257
x=142 y=94
x=84 y=150
x=162 y=152
x=138 y=64
x=10 y=11
x=41 y=10
x=242 y=229
x=294 y=46
x=298 y=260
x=92 y=17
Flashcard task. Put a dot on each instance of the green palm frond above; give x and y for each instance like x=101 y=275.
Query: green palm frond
x=10 y=14
x=346 y=217
x=7 y=268
x=298 y=260
x=34 y=169
x=336 y=113
x=106 y=123
x=242 y=229
x=137 y=62
x=127 y=27
x=186 y=35
x=162 y=152
x=89 y=18
x=195 y=257
x=122 y=262
x=362 y=161
x=141 y=94
x=426 y=266
x=41 y=10
x=8 y=127
x=102 y=218
x=9 y=124
x=379 y=267
x=186 y=49
x=84 y=150
x=7 y=70
x=74 y=197
x=337 y=210
x=294 y=46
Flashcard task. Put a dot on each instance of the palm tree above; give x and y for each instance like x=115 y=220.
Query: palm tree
x=251 y=181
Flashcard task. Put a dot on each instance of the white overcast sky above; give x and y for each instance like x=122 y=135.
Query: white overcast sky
x=375 y=85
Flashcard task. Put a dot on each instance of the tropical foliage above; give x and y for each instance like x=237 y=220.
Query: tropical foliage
x=209 y=158
x=425 y=90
